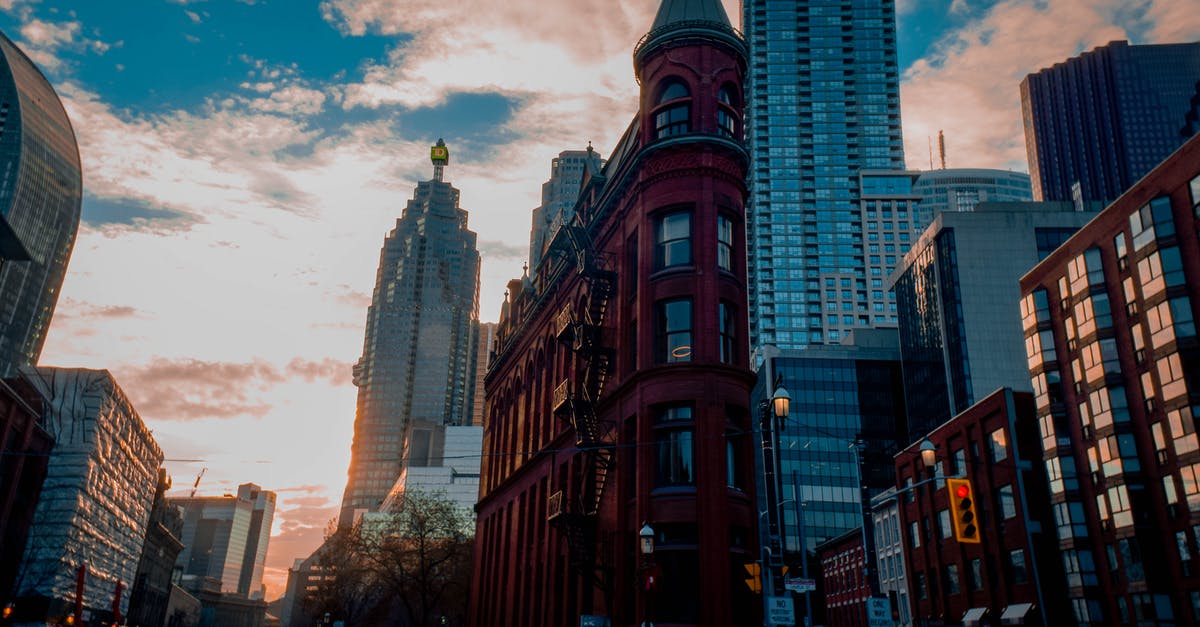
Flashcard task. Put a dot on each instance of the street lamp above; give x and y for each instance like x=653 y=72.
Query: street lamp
x=781 y=401
x=928 y=454
x=646 y=543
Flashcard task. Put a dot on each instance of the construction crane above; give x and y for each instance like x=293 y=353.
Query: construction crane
x=197 y=483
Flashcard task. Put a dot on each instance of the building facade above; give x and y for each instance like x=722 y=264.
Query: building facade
x=962 y=189
x=618 y=397
x=25 y=446
x=559 y=195
x=92 y=517
x=1103 y=119
x=890 y=562
x=225 y=539
x=844 y=579
x=824 y=103
x=150 y=592
x=960 y=330
x=487 y=336
x=440 y=459
x=1015 y=572
x=40 y=200
x=419 y=353
x=1110 y=328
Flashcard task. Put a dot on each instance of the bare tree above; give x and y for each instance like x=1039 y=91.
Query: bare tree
x=410 y=566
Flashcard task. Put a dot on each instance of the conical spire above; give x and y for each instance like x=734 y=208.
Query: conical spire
x=690 y=11
x=689 y=20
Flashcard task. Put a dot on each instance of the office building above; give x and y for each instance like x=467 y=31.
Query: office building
x=1102 y=120
x=889 y=210
x=559 y=194
x=440 y=459
x=487 y=335
x=823 y=103
x=91 y=519
x=225 y=540
x=962 y=189
x=960 y=330
x=419 y=353
x=1109 y=323
x=618 y=395
x=40 y=198
x=1008 y=569
x=150 y=591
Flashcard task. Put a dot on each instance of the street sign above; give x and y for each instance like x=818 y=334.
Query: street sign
x=780 y=612
x=879 y=612
x=799 y=584
x=591 y=620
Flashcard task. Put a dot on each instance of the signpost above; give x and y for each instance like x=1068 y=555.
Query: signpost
x=780 y=612
x=879 y=612
x=799 y=584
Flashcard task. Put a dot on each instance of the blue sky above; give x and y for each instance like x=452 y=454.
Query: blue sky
x=243 y=160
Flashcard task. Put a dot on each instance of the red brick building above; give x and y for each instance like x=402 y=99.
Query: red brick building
x=1114 y=357
x=24 y=455
x=618 y=391
x=844 y=580
x=997 y=579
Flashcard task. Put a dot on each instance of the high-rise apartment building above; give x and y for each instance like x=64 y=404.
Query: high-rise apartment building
x=618 y=399
x=419 y=354
x=961 y=189
x=1102 y=120
x=559 y=194
x=960 y=335
x=823 y=103
x=40 y=197
x=225 y=538
x=1109 y=323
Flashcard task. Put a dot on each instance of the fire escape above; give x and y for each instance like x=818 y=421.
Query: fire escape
x=575 y=400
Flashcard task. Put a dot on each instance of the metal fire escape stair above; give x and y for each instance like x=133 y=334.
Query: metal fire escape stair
x=583 y=332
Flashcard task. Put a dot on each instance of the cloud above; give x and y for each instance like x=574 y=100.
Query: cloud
x=192 y=389
x=302 y=516
x=331 y=370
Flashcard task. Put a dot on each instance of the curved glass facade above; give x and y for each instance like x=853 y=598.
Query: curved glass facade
x=41 y=190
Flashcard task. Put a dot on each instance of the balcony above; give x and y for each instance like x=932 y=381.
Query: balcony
x=562 y=396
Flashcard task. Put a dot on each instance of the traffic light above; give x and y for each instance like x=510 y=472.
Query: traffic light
x=7 y=612
x=962 y=510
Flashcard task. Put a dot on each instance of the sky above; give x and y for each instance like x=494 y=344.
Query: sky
x=244 y=159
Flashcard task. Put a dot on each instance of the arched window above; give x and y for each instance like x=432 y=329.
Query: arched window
x=672 y=116
x=727 y=118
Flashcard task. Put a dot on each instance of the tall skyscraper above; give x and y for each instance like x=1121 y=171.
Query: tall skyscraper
x=823 y=103
x=1103 y=119
x=40 y=197
x=225 y=538
x=418 y=360
x=558 y=197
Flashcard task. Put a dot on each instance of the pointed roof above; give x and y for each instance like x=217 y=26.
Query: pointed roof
x=680 y=11
x=690 y=20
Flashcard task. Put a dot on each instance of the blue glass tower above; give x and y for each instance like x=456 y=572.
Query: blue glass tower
x=823 y=103
x=40 y=195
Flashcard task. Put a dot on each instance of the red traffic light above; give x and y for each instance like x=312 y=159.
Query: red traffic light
x=962 y=491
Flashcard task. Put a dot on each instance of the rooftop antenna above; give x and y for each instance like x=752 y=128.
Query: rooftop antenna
x=439 y=154
x=942 y=148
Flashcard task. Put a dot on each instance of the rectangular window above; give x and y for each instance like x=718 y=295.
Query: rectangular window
x=952 y=586
x=944 y=526
x=673 y=240
x=724 y=243
x=673 y=326
x=998 y=445
x=675 y=462
x=725 y=319
x=914 y=534
x=1016 y=566
x=1007 y=506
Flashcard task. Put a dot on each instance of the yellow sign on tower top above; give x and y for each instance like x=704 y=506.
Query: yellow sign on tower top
x=439 y=154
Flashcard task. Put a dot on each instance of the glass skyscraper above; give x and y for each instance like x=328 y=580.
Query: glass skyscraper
x=823 y=103
x=418 y=361
x=40 y=193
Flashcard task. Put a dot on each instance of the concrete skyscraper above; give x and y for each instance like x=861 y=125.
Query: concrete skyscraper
x=823 y=103
x=1103 y=119
x=418 y=360
x=559 y=194
x=40 y=196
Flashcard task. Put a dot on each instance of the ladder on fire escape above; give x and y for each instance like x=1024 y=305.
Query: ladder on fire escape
x=582 y=331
